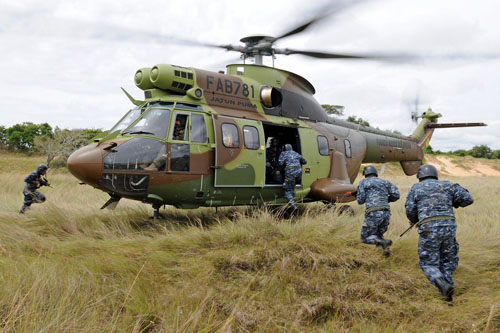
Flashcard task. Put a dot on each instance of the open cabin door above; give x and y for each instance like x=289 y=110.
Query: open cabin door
x=240 y=158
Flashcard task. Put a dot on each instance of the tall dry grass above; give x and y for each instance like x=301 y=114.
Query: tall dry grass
x=68 y=266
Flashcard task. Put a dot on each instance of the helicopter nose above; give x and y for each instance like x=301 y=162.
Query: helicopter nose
x=86 y=164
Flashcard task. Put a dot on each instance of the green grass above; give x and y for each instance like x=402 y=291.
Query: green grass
x=68 y=266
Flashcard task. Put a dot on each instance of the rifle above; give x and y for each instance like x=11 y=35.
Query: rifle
x=45 y=182
x=404 y=232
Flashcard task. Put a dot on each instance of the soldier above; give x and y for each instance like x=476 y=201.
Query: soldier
x=376 y=193
x=429 y=205
x=33 y=181
x=178 y=130
x=273 y=173
x=292 y=162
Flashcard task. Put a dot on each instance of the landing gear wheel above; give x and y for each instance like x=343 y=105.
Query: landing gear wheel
x=345 y=210
x=156 y=214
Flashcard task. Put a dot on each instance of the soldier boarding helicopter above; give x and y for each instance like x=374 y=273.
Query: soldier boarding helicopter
x=199 y=138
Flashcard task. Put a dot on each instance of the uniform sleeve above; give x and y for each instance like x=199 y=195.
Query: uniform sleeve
x=411 y=207
x=361 y=195
x=31 y=179
x=282 y=159
x=393 y=193
x=461 y=197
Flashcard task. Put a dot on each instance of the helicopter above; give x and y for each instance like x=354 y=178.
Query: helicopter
x=199 y=138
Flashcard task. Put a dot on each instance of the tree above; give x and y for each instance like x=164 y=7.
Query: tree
x=361 y=121
x=3 y=137
x=21 y=136
x=62 y=143
x=337 y=110
x=495 y=154
x=481 y=151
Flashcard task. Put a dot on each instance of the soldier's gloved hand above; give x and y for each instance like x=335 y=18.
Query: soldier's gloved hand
x=268 y=165
x=354 y=194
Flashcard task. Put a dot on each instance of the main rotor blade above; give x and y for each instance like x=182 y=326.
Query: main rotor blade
x=323 y=13
x=328 y=55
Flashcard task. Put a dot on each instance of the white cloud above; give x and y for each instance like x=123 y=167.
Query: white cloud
x=64 y=61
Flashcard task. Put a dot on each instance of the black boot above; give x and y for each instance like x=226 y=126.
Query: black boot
x=445 y=289
x=23 y=209
x=383 y=243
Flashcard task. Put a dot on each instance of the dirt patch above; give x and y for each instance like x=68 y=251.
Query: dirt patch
x=465 y=167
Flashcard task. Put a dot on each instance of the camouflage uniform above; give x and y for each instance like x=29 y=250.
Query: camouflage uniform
x=376 y=193
x=430 y=205
x=273 y=174
x=178 y=133
x=292 y=162
x=31 y=195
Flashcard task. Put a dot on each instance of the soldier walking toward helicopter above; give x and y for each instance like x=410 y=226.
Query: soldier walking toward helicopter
x=429 y=206
x=34 y=181
x=376 y=193
x=292 y=162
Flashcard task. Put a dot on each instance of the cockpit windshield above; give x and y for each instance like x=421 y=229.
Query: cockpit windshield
x=154 y=122
x=129 y=118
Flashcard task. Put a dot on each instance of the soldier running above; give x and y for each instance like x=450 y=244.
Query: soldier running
x=33 y=181
x=429 y=206
x=376 y=193
x=292 y=162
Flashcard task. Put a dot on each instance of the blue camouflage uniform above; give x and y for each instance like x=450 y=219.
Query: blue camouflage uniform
x=292 y=162
x=376 y=193
x=31 y=195
x=430 y=205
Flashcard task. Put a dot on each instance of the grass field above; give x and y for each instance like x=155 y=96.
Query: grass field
x=68 y=266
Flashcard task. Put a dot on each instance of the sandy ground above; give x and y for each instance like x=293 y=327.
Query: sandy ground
x=465 y=167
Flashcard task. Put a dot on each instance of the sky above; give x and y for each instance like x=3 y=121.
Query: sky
x=63 y=62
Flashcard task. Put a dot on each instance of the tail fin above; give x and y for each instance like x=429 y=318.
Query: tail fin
x=423 y=132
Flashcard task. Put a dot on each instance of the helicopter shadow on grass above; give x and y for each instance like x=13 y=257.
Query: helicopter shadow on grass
x=207 y=217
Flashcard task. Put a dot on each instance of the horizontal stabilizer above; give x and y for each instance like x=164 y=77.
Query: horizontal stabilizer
x=450 y=125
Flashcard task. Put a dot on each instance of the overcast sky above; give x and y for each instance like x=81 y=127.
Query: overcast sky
x=63 y=62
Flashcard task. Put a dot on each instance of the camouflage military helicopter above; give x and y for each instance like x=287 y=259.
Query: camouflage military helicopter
x=199 y=138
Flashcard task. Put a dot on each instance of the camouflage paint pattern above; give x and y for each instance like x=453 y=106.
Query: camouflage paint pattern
x=221 y=176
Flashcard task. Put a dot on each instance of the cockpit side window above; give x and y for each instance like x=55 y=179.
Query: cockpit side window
x=198 y=129
x=179 y=132
x=154 y=122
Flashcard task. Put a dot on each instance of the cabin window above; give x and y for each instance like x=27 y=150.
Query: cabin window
x=198 y=129
x=323 y=145
x=347 y=145
x=179 y=132
x=251 y=136
x=230 y=136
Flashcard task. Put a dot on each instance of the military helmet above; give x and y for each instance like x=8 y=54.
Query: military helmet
x=41 y=168
x=288 y=147
x=370 y=170
x=427 y=171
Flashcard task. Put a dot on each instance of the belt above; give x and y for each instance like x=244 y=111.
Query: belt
x=292 y=167
x=435 y=218
x=372 y=209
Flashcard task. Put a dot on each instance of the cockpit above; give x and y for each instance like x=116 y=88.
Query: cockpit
x=161 y=138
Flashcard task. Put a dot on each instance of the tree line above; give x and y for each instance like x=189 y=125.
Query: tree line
x=59 y=143
x=56 y=143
